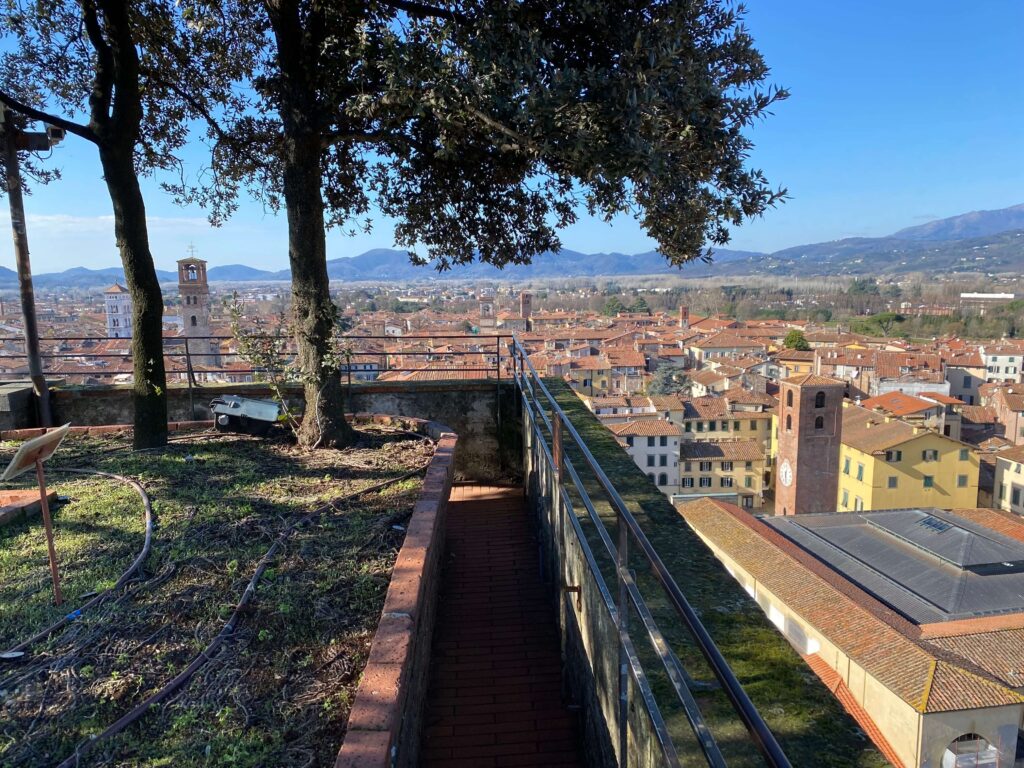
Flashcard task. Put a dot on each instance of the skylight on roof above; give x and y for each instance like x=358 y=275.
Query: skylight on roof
x=939 y=526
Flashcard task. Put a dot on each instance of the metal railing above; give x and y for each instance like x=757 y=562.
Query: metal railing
x=185 y=358
x=550 y=440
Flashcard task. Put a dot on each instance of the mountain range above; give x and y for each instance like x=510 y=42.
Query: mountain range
x=987 y=242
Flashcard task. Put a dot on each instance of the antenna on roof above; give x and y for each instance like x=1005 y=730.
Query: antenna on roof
x=191 y=250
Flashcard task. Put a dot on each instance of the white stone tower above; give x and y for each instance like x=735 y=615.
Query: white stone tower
x=117 y=304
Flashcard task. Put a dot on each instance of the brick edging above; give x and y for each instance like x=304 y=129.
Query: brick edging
x=384 y=724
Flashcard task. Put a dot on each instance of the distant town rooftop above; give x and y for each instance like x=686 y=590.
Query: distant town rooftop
x=926 y=564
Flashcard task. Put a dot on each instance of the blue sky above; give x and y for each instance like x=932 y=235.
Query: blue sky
x=901 y=112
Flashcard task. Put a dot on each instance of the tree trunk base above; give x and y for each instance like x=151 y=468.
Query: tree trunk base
x=150 y=429
x=323 y=424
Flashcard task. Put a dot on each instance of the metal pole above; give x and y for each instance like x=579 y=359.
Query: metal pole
x=188 y=377
x=48 y=526
x=28 y=299
x=622 y=563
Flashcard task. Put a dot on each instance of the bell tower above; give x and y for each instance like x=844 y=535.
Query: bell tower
x=810 y=433
x=194 y=291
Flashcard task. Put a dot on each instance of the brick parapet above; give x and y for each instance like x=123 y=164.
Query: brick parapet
x=384 y=724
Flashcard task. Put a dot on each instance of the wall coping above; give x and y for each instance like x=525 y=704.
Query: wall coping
x=383 y=723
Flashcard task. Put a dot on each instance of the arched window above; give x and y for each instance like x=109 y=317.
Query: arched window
x=819 y=422
x=789 y=423
x=193 y=321
x=970 y=750
x=662 y=479
x=789 y=398
x=819 y=400
x=192 y=273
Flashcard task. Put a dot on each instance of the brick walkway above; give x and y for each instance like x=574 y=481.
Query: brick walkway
x=495 y=690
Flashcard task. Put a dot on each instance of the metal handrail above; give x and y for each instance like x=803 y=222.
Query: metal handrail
x=177 y=347
x=558 y=425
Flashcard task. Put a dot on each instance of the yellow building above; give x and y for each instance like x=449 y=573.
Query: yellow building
x=1009 y=485
x=732 y=470
x=885 y=463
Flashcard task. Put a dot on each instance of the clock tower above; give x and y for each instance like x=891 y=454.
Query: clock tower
x=810 y=432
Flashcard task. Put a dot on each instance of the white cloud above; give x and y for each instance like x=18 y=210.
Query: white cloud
x=66 y=223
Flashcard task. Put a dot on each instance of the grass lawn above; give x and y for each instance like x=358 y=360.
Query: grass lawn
x=279 y=691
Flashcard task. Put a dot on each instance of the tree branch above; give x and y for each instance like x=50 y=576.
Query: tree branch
x=71 y=127
x=425 y=11
x=370 y=137
x=103 y=85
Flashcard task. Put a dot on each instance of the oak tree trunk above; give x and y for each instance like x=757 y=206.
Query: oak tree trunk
x=149 y=387
x=315 y=316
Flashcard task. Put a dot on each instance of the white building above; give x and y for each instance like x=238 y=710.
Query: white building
x=117 y=304
x=654 y=445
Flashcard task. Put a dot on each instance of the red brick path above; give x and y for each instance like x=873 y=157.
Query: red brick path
x=495 y=690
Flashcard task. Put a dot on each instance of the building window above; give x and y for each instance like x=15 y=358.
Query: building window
x=858 y=504
x=846 y=465
x=929 y=481
x=663 y=460
x=650 y=476
x=662 y=478
x=712 y=425
x=753 y=425
x=687 y=482
x=894 y=481
x=789 y=398
x=663 y=441
x=748 y=482
x=860 y=471
x=930 y=455
x=893 y=456
x=686 y=467
x=961 y=481
x=965 y=453
x=967 y=382
x=735 y=426
x=819 y=422
x=700 y=426
x=789 y=423
x=819 y=400
x=726 y=482
x=748 y=502
x=748 y=465
x=705 y=466
x=846 y=498
x=1015 y=496
x=725 y=426
x=629 y=440
x=650 y=461
x=705 y=482
x=193 y=321
x=650 y=442
x=114 y=322
x=687 y=427
x=727 y=466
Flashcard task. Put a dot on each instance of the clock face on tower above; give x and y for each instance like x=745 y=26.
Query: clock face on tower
x=786 y=473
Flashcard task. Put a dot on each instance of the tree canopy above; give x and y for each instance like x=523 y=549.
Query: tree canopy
x=795 y=339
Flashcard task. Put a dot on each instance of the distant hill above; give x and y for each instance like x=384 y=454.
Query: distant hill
x=974 y=224
x=982 y=241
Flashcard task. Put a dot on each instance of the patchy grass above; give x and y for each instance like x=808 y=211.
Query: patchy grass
x=808 y=721
x=278 y=692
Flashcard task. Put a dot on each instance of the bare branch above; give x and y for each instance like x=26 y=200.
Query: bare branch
x=71 y=127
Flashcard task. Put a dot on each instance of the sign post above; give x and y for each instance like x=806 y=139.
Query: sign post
x=33 y=453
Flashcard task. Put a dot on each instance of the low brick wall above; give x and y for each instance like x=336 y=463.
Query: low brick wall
x=385 y=721
x=484 y=413
x=15 y=505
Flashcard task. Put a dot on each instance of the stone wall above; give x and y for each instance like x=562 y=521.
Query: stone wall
x=482 y=413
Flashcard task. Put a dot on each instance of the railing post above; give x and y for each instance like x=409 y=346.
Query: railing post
x=189 y=375
x=622 y=564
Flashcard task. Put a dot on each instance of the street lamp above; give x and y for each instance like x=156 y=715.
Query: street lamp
x=13 y=140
